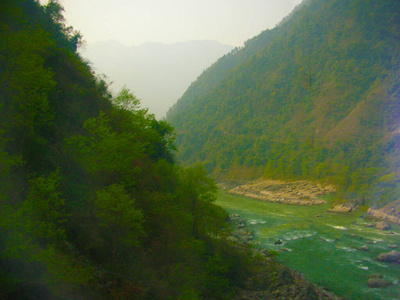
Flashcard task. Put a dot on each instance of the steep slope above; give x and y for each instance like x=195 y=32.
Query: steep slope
x=158 y=73
x=317 y=97
x=92 y=204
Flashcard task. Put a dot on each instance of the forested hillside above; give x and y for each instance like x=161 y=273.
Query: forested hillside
x=317 y=98
x=92 y=204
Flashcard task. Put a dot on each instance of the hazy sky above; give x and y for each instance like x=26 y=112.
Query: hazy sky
x=133 y=22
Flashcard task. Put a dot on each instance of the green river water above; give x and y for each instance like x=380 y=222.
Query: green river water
x=324 y=249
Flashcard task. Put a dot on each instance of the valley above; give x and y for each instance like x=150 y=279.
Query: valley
x=103 y=199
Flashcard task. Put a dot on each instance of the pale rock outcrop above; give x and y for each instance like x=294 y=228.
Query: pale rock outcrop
x=390 y=212
x=347 y=207
x=293 y=193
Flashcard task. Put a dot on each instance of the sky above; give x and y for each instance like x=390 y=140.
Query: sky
x=134 y=22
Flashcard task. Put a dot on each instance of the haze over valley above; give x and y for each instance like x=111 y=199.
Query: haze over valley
x=157 y=73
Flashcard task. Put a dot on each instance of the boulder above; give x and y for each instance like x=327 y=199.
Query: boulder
x=239 y=233
x=372 y=242
x=347 y=207
x=390 y=257
x=378 y=283
x=383 y=225
x=363 y=248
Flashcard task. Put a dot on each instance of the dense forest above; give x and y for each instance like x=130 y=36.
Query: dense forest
x=92 y=204
x=316 y=97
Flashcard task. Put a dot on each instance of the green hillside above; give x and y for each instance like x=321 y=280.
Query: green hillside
x=317 y=98
x=92 y=204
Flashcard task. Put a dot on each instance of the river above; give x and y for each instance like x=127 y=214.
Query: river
x=322 y=246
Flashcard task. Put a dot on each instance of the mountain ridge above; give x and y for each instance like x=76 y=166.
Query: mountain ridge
x=314 y=98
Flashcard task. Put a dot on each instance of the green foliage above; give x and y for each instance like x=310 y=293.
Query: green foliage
x=126 y=100
x=105 y=151
x=217 y=283
x=198 y=184
x=117 y=212
x=201 y=192
x=43 y=210
x=34 y=237
x=28 y=78
x=69 y=38
x=6 y=160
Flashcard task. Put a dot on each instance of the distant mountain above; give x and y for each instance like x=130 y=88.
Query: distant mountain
x=317 y=97
x=158 y=73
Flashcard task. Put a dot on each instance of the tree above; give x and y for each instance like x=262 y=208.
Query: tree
x=34 y=240
x=43 y=209
x=119 y=217
x=200 y=192
x=26 y=84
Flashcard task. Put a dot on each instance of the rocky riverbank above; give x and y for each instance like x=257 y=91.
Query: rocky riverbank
x=390 y=212
x=270 y=279
x=293 y=193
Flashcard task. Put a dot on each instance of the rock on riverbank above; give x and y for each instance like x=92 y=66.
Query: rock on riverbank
x=240 y=232
x=390 y=212
x=294 y=193
x=347 y=207
x=377 y=282
x=389 y=257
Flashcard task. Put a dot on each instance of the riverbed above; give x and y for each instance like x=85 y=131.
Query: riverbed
x=323 y=246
